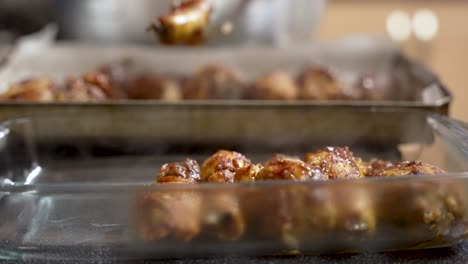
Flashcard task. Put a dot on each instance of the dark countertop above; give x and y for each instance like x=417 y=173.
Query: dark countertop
x=453 y=255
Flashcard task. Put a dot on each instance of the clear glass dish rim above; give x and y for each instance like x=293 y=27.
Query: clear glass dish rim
x=458 y=132
x=96 y=187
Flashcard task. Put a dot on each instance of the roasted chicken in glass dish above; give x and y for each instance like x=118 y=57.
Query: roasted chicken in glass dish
x=297 y=213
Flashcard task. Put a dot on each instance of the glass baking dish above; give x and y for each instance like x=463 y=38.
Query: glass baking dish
x=63 y=203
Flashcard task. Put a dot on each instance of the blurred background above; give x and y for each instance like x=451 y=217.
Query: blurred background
x=433 y=32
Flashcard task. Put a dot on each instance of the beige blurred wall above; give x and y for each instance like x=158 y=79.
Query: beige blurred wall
x=447 y=54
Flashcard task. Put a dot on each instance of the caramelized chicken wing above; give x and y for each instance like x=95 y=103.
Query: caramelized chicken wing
x=222 y=216
x=304 y=215
x=34 y=90
x=156 y=87
x=377 y=165
x=299 y=215
x=223 y=165
x=414 y=210
x=287 y=168
x=316 y=83
x=186 y=170
x=355 y=212
x=424 y=209
x=409 y=168
x=336 y=163
x=214 y=82
x=365 y=168
x=171 y=213
x=284 y=215
x=91 y=88
x=277 y=85
x=120 y=76
x=248 y=174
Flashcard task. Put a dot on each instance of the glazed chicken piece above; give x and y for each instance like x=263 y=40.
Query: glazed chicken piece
x=214 y=82
x=175 y=214
x=187 y=23
x=388 y=86
x=316 y=83
x=119 y=75
x=294 y=213
x=337 y=163
x=419 y=211
x=223 y=165
x=223 y=217
x=409 y=168
x=92 y=87
x=365 y=168
x=155 y=87
x=426 y=205
x=301 y=214
x=248 y=174
x=311 y=213
x=287 y=168
x=355 y=212
x=377 y=165
x=187 y=171
x=34 y=90
x=454 y=198
x=277 y=85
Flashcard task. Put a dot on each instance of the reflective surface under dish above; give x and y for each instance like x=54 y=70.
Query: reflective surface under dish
x=92 y=206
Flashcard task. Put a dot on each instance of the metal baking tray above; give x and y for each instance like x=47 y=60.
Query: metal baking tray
x=123 y=120
x=86 y=207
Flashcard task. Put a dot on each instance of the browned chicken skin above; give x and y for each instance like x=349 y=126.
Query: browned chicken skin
x=336 y=163
x=287 y=168
x=248 y=174
x=155 y=87
x=377 y=165
x=186 y=170
x=91 y=88
x=409 y=168
x=172 y=213
x=355 y=212
x=299 y=214
x=119 y=74
x=34 y=90
x=223 y=165
x=416 y=210
x=316 y=83
x=277 y=85
x=222 y=215
x=214 y=82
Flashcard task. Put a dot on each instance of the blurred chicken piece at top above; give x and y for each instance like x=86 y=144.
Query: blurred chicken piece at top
x=187 y=23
